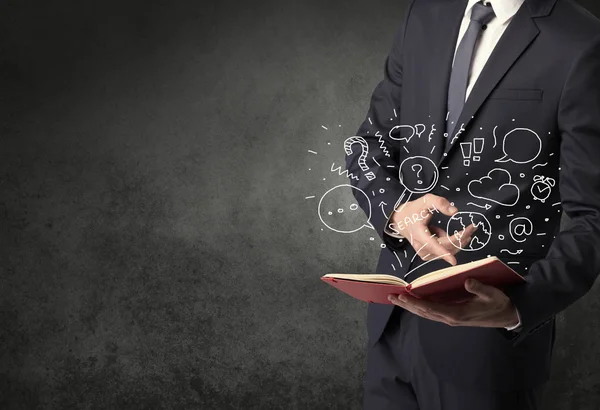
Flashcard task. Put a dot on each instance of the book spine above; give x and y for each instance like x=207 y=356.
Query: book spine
x=408 y=289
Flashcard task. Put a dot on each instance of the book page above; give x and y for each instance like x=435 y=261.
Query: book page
x=451 y=270
x=369 y=277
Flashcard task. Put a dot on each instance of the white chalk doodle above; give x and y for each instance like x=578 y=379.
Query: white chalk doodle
x=479 y=239
x=420 y=129
x=513 y=143
x=381 y=206
x=407 y=167
x=433 y=130
x=417 y=165
x=494 y=134
x=338 y=198
x=478 y=145
x=397 y=258
x=418 y=168
x=344 y=172
x=364 y=148
x=370 y=176
x=466 y=148
x=362 y=159
x=381 y=145
x=398 y=129
x=496 y=187
x=487 y=207
x=408 y=220
x=520 y=228
x=460 y=131
x=542 y=187
x=425 y=263
x=517 y=252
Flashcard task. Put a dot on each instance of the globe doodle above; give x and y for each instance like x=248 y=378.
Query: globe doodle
x=460 y=221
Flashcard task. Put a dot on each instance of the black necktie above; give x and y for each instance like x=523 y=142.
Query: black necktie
x=457 y=91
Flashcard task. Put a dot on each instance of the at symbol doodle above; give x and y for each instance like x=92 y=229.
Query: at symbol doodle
x=520 y=228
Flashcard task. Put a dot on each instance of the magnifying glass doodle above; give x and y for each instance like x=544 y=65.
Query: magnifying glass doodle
x=418 y=167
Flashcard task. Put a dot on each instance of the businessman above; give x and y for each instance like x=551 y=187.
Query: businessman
x=488 y=113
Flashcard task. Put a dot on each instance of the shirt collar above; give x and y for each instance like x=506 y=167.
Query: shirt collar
x=504 y=9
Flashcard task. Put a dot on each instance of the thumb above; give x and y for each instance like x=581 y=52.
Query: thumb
x=479 y=289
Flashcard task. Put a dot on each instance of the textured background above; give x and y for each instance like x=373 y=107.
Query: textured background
x=156 y=246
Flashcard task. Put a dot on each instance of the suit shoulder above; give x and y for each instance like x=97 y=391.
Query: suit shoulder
x=574 y=23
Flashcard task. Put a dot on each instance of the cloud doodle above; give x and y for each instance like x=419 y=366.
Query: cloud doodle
x=495 y=187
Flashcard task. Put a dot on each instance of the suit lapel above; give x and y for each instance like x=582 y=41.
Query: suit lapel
x=446 y=25
x=518 y=35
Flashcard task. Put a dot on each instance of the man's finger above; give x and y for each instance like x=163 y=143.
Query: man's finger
x=441 y=204
x=485 y=292
x=431 y=246
x=469 y=230
x=451 y=246
x=439 y=232
x=462 y=238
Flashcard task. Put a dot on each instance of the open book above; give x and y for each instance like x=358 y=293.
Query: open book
x=444 y=285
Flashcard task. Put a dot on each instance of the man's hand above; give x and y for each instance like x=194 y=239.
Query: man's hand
x=489 y=307
x=411 y=220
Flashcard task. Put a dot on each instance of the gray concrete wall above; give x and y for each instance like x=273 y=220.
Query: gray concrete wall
x=156 y=247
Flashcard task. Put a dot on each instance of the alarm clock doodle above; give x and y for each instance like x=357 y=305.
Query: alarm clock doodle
x=542 y=187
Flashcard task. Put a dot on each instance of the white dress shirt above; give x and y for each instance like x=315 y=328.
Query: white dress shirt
x=504 y=11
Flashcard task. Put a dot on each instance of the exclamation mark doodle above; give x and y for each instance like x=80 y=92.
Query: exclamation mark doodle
x=477 y=148
x=465 y=147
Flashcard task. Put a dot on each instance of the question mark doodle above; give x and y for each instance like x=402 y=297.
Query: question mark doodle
x=418 y=172
x=362 y=159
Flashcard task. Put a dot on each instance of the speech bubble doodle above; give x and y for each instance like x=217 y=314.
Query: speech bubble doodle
x=420 y=129
x=399 y=130
x=339 y=211
x=520 y=228
x=459 y=221
x=520 y=146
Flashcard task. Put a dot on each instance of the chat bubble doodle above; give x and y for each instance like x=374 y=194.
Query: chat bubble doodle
x=420 y=129
x=520 y=228
x=414 y=173
x=402 y=133
x=459 y=221
x=521 y=146
x=339 y=211
x=495 y=187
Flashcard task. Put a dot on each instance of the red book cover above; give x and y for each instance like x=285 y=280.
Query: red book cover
x=446 y=285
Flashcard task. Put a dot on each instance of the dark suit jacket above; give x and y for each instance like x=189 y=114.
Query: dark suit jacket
x=537 y=100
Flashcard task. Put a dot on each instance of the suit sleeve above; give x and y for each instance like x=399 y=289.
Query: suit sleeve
x=386 y=97
x=573 y=261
